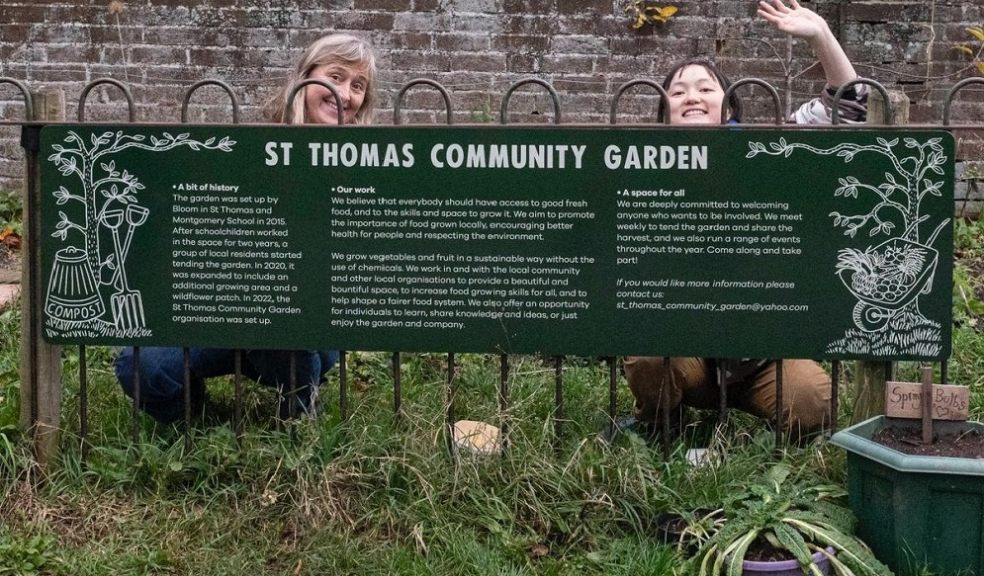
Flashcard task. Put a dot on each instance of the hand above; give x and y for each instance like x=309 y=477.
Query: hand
x=806 y=24
x=793 y=19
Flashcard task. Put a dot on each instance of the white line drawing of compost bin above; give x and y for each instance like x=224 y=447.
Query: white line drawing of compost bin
x=73 y=292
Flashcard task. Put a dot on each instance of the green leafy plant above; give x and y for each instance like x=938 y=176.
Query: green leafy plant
x=27 y=556
x=9 y=377
x=795 y=517
x=966 y=283
x=966 y=306
x=642 y=12
x=483 y=114
x=11 y=219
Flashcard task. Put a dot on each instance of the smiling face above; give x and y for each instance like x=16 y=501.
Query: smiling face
x=695 y=97
x=350 y=80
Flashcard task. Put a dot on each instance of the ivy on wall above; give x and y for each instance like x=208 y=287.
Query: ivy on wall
x=643 y=12
x=974 y=54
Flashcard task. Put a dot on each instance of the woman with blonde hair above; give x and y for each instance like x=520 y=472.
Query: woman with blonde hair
x=344 y=61
x=347 y=63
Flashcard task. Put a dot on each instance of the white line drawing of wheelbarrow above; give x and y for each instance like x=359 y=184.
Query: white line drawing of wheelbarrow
x=886 y=279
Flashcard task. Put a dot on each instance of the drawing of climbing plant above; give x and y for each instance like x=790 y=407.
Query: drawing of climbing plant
x=100 y=216
x=888 y=276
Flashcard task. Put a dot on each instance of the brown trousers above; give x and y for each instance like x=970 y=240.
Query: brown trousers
x=805 y=390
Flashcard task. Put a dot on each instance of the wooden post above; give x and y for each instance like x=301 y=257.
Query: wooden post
x=927 y=405
x=40 y=362
x=876 y=108
x=870 y=377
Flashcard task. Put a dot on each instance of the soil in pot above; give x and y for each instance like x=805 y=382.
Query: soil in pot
x=761 y=551
x=964 y=444
x=762 y=558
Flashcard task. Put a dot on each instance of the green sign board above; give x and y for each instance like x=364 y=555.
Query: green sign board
x=730 y=242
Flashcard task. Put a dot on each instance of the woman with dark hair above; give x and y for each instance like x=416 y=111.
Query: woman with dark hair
x=695 y=96
x=713 y=73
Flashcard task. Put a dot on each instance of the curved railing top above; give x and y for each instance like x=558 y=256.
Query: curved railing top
x=504 y=111
x=776 y=101
x=953 y=92
x=28 y=104
x=187 y=98
x=88 y=88
x=334 y=92
x=888 y=113
x=416 y=82
x=663 y=98
x=887 y=117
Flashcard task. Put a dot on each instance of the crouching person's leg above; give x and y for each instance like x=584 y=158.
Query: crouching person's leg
x=162 y=378
x=805 y=397
x=272 y=368
x=649 y=380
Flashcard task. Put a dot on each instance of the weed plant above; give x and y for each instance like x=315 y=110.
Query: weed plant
x=11 y=207
x=379 y=493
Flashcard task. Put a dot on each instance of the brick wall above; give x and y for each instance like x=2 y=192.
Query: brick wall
x=476 y=48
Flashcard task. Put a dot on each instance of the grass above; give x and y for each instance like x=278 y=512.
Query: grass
x=377 y=494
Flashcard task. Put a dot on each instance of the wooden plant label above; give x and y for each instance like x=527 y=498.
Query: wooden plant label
x=904 y=400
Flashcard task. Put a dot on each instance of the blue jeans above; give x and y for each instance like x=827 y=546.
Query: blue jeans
x=162 y=375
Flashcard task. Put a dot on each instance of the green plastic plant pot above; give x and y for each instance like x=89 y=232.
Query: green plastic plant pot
x=915 y=511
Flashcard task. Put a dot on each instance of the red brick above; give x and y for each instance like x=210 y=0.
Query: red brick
x=634 y=66
x=23 y=13
x=529 y=25
x=161 y=55
x=474 y=23
x=487 y=6
x=410 y=60
x=525 y=63
x=363 y=21
x=530 y=6
x=885 y=12
x=605 y=26
x=574 y=84
x=584 y=6
x=485 y=62
x=387 y=5
x=666 y=49
x=412 y=40
x=426 y=117
x=579 y=45
x=11 y=109
x=420 y=22
x=459 y=42
x=523 y=44
x=568 y=64
x=423 y=98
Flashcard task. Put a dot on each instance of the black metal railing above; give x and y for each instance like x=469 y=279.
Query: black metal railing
x=30 y=129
